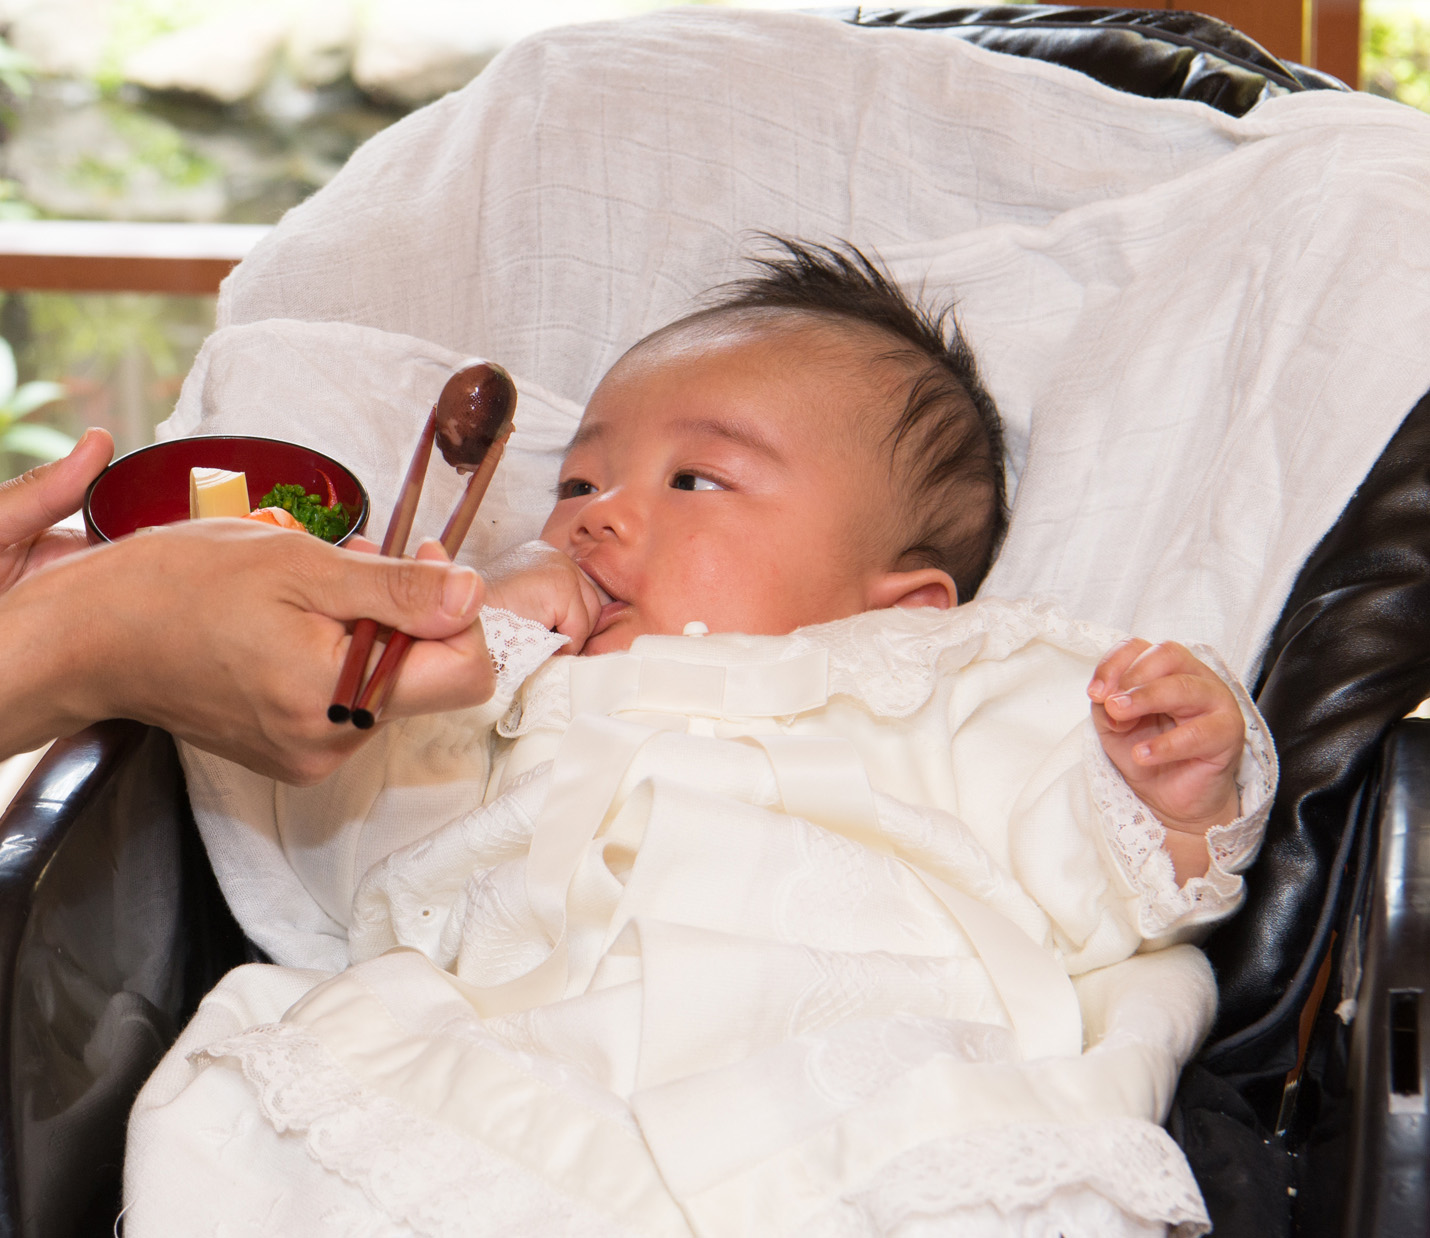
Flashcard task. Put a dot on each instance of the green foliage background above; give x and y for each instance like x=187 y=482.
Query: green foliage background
x=1395 y=53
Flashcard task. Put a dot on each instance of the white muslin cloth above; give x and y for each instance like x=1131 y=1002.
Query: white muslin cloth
x=843 y=932
x=1200 y=330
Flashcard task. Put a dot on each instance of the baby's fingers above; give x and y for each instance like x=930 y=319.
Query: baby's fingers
x=1107 y=678
x=1199 y=739
x=1178 y=695
x=579 y=612
x=1207 y=723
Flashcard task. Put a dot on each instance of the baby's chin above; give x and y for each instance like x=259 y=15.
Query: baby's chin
x=609 y=641
x=623 y=630
x=616 y=637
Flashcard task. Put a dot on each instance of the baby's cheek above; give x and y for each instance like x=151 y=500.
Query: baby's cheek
x=556 y=530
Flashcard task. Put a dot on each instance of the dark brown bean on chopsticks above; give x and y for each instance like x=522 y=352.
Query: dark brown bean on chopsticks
x=473 y=419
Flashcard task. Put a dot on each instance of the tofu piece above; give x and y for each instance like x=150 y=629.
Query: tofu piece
x=217 y=492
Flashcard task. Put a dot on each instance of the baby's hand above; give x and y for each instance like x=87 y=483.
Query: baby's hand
x=538 y=582
x=1175 y=732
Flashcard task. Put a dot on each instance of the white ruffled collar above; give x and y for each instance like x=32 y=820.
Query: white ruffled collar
x=889 y=661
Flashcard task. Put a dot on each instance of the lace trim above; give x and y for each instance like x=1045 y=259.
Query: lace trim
x=437 y=1182
x=891 y=660
x=888 y=660
x=1131 y=1163
x=1136 y=835
x=517 y=646
x=417 y=1172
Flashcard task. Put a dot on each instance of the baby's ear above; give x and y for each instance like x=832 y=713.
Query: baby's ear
x=926 y=586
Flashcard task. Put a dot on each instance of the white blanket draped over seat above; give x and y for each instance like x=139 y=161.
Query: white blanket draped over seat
x=1200 y=330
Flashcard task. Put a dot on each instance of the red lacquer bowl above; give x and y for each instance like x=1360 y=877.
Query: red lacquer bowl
x=151 y=486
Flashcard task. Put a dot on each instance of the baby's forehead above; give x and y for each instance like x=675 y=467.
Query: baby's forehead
x=843 y=337
x=818 y=368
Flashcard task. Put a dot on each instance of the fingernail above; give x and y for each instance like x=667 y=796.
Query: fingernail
x=460 y=591
x=1095 y=687
x=1122 y=701
x=1142 y=752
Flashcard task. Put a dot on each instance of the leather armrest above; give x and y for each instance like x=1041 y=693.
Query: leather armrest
x=1389 y=1160
x=111 y=929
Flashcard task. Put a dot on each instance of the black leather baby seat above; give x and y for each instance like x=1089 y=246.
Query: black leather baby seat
x=1305 y=1113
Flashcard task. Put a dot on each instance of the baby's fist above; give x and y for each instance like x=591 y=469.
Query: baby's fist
x=536 y=581
x=1175 y=732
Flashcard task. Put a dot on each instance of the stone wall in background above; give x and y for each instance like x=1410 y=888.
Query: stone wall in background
x=406 y=52
x=231 y=110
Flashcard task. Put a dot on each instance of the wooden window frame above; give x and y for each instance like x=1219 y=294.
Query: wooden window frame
x=91 y=256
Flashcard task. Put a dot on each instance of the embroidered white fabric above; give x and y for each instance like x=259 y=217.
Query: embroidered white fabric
x=888 y=660
x=423 y=1175
x=404 y=900
x=1135 y=835
x=1026 y=1180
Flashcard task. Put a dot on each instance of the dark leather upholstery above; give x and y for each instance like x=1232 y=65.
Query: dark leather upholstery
x=1349 y=656
x=1159 y=54
x=111 y=930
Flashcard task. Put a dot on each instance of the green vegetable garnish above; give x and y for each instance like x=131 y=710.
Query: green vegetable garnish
x=329 y=523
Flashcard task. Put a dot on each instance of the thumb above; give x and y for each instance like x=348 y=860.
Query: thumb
x=426 y=599
x=33 y=501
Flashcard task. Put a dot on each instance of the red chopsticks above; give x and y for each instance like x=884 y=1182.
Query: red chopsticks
x=472 y=420
x=345 y=695
x=370 y=702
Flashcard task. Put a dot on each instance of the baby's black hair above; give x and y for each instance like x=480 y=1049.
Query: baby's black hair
x=948 y=436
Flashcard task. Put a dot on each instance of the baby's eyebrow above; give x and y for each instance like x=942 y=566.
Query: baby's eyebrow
x=586 y=432
x=742 y=433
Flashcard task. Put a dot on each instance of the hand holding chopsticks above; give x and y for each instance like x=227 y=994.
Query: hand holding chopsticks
x=470 y=423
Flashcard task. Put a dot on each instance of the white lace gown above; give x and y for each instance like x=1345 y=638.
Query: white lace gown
x=850 y=932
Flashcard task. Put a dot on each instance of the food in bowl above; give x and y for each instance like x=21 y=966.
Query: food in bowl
x=151 y=487
x=307 y=511
x=223 y=492
x=217 y=492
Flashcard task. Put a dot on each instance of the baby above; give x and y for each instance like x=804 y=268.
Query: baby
x=814 y=446
x=815 y=906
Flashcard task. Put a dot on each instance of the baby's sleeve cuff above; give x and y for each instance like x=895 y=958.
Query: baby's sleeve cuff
x=1135 y=836
x=517 y=647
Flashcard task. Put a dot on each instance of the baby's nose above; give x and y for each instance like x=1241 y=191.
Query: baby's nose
x=610 y=514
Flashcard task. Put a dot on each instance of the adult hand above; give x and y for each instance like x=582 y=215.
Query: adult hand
x=32 y=502
x=230 y=634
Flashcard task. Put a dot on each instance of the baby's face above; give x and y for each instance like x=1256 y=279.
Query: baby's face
x=716 y=477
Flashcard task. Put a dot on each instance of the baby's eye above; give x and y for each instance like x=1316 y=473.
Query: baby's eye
x=574 y=488
x=693 y=481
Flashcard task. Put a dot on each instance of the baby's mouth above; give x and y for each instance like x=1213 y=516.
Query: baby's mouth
x=611 y=607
